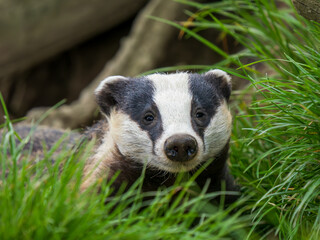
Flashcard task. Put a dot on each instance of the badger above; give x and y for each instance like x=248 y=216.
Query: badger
x=169 y=123
x=165 y=123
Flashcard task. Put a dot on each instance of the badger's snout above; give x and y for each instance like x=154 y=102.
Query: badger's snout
x=181 y=147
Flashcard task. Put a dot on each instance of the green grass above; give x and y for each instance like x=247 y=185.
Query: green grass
x=41 y=200
x=275 y=150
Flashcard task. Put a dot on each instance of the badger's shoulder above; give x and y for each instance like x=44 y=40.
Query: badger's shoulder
x=96 y=131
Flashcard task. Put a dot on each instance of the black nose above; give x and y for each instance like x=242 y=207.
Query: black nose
x=181 y=147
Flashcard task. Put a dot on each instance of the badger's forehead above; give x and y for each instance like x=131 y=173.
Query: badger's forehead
x=166 y=85
x=180 y=92
x=172 y=97
x=164 y=82
x=161 y=90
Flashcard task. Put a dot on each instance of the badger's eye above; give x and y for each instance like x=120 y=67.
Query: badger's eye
x=148 y=118
x=199 y=114
x=200 y=117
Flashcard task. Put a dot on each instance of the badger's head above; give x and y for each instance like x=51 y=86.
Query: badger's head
x=172 y=122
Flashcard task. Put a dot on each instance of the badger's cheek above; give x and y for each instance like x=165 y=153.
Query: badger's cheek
x=218 y=132
x=132 y=142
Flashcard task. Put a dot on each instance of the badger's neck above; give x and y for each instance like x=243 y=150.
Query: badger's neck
x=218 y=174
x=219 y=163
x=131 y=170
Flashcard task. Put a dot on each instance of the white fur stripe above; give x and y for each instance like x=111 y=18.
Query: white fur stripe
x=173 y=99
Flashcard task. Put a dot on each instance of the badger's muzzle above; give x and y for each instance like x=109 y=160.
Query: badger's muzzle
x=181 y=147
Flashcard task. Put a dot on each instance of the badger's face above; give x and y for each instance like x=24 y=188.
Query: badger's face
x=173 y=122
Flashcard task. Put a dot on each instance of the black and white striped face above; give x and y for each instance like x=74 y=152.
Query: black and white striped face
x=174 y=122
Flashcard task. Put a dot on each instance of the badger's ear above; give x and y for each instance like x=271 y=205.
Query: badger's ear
x=109 y=92
x=221 y=80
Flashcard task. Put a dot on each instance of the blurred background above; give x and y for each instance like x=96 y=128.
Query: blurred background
x=53 y=50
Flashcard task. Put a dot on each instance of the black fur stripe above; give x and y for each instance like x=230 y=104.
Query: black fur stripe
x=137 y=101
x=205 y=97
